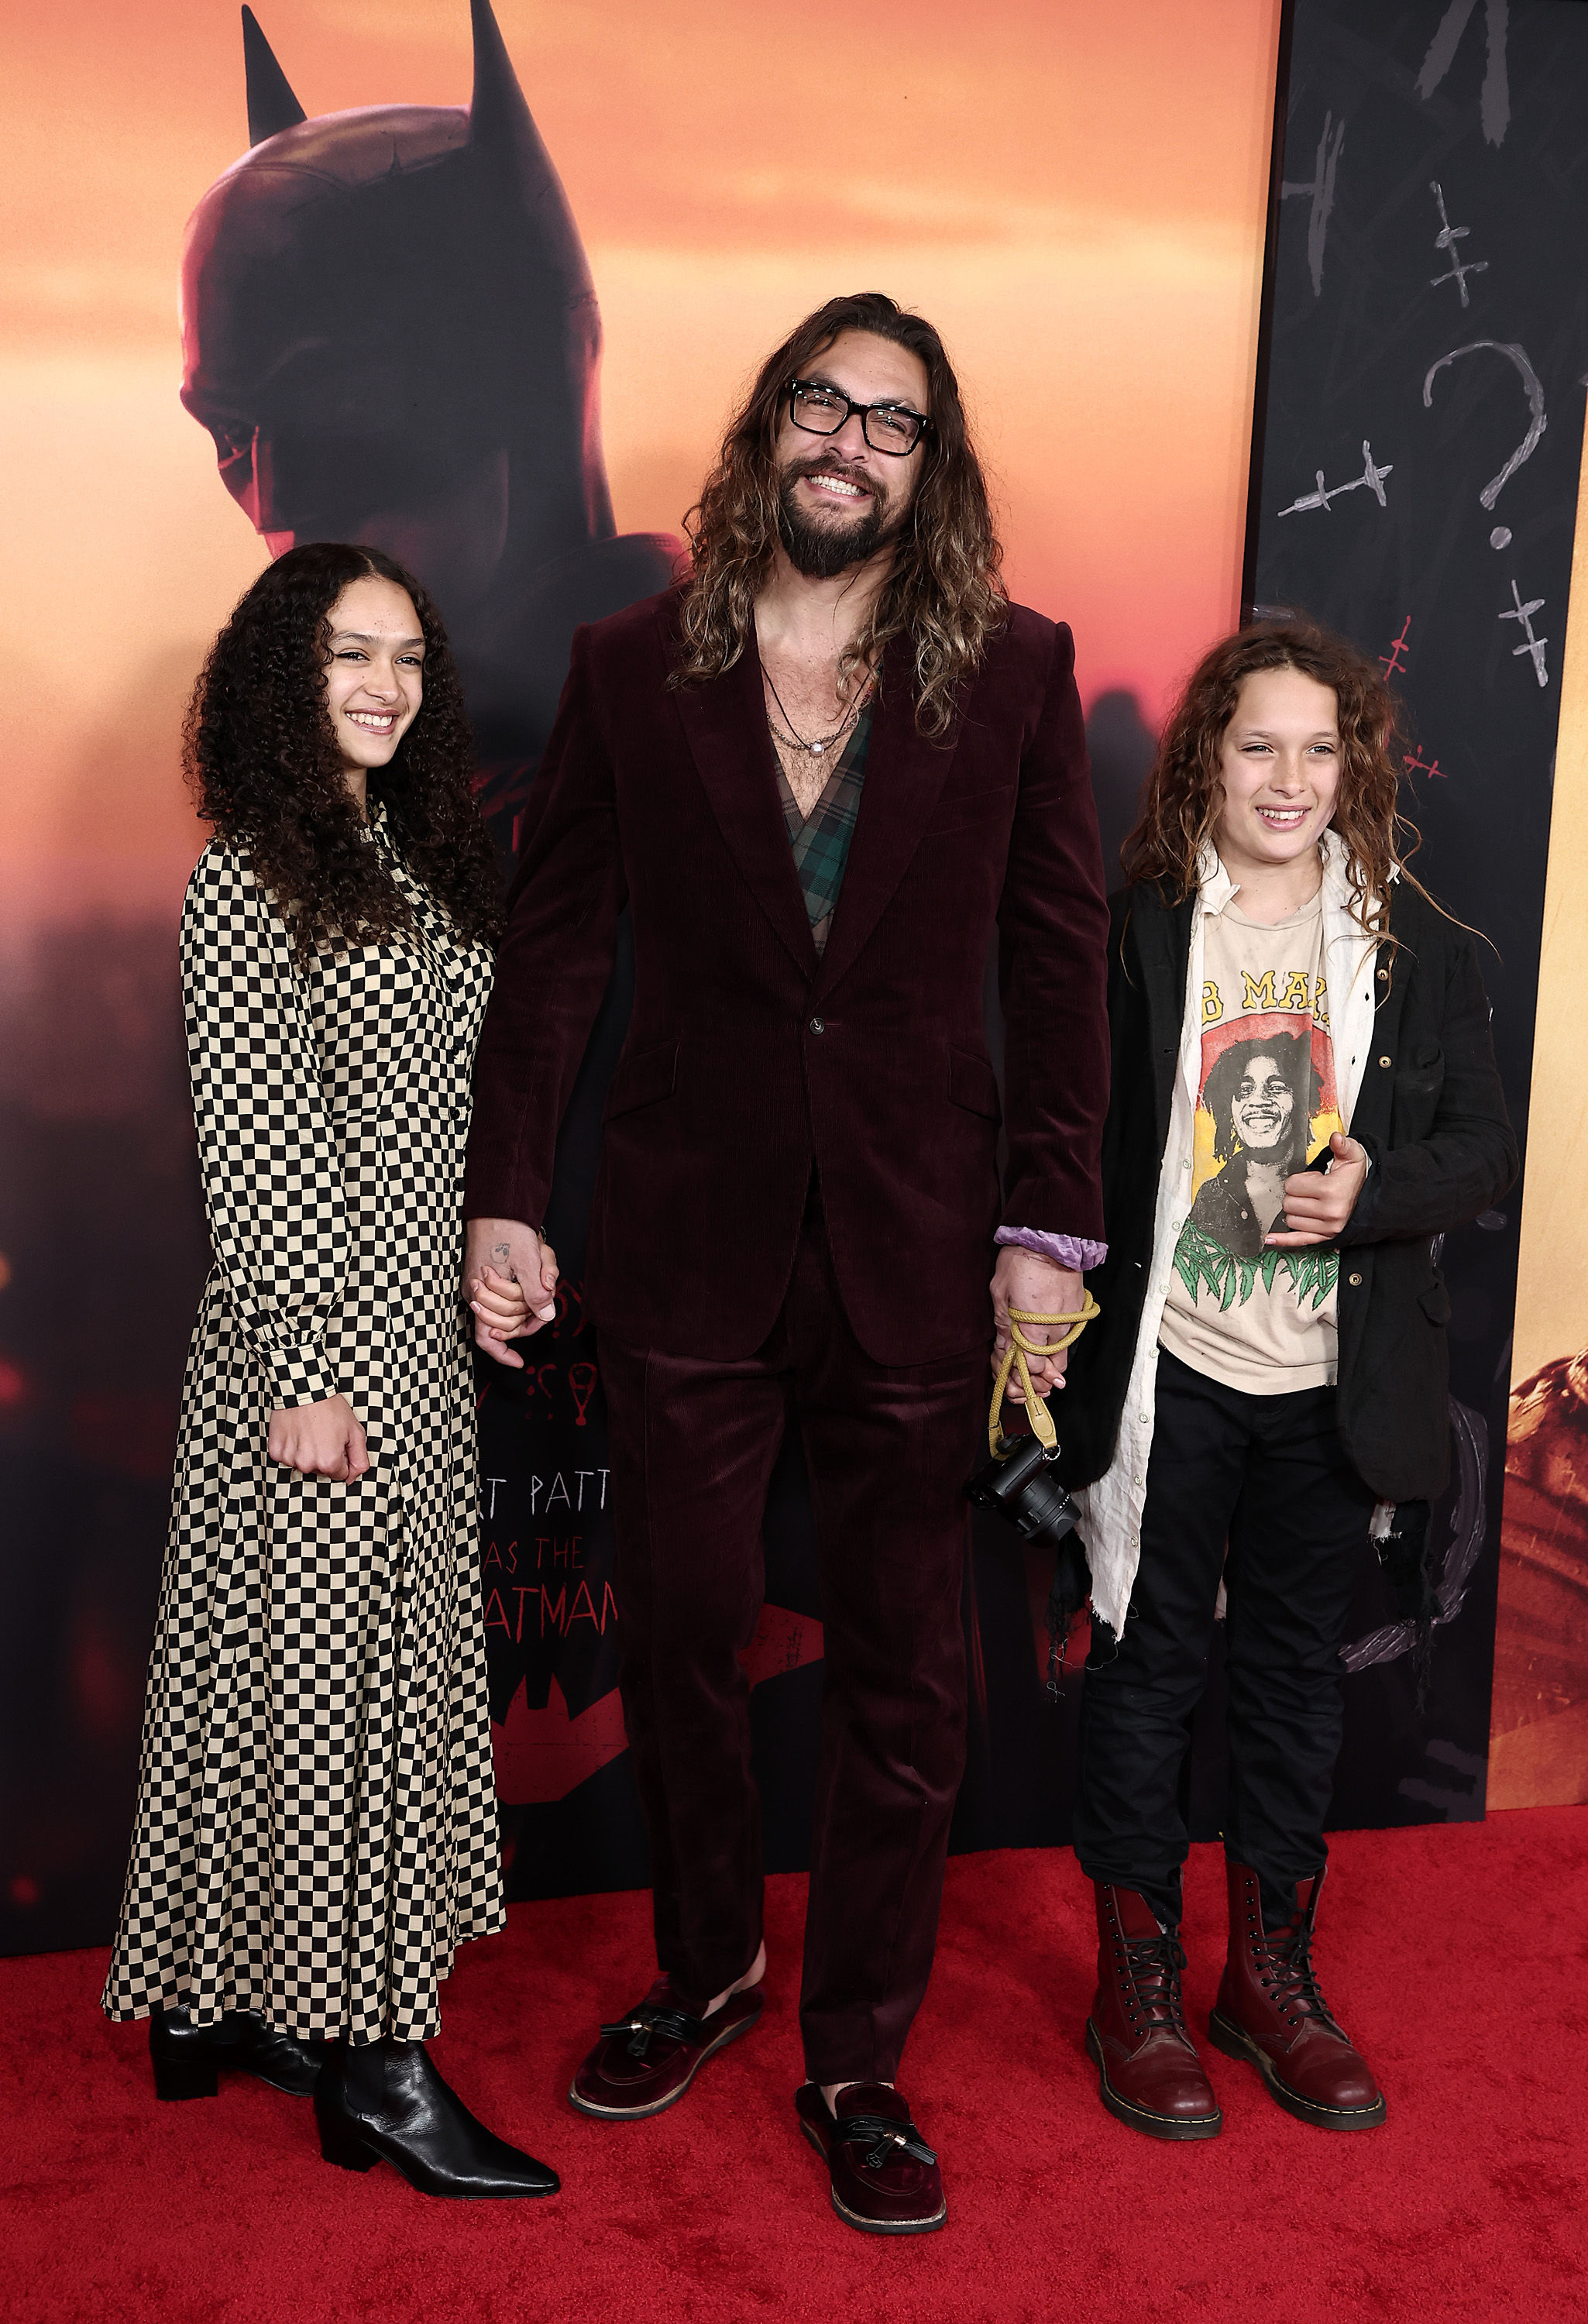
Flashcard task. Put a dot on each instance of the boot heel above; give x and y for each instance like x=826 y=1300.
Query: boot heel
x=344 y=2147
x=185 y=2078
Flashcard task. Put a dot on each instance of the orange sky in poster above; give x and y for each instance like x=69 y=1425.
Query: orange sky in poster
x=1075 y=195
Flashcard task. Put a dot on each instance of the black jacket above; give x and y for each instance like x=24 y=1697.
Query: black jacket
x=1433 y=1119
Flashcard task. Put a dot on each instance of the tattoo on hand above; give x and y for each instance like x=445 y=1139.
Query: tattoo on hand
x=502 y=1252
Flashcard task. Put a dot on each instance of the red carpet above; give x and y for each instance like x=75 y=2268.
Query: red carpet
x=1470 y=2202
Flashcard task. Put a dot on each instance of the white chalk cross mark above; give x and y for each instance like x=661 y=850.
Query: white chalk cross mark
x=1319 y=190
x=1494 y=109
x=1446 y=240
x=1517 y=612
x=1371 y=476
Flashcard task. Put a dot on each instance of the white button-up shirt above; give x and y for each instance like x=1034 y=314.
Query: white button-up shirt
x=1111 y=1508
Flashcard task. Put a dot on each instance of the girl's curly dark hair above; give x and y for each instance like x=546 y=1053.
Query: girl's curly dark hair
x=262 y=764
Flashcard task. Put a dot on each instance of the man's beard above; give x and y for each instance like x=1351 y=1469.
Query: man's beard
x=822 y=551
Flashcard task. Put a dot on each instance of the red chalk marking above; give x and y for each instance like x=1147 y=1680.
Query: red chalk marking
x=1392 y=661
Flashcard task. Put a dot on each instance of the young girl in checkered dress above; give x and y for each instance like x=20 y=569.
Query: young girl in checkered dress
x=317 y=1822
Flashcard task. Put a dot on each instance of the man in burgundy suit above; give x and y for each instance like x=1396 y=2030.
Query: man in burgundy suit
x=820 y=773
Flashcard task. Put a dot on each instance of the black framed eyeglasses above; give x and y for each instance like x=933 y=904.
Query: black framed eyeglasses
x=822 y=410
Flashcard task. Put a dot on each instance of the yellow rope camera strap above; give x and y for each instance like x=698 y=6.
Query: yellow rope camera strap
x=1019 y=1347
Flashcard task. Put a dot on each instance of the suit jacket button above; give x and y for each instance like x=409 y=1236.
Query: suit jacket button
x=1385 y=1063
x=1353 y=1279
x=818 y=1025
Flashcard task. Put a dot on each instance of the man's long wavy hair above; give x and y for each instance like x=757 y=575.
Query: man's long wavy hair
x=262 y=761
x=944 y=593
x=1183 y=794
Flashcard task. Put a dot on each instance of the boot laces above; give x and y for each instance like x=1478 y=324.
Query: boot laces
x=1151 y=1979
x=1283 y=1959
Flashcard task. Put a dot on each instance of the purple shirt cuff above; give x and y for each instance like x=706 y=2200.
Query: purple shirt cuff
x=1064 y=1250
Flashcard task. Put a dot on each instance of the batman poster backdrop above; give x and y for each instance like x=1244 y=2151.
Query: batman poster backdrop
x=470 y=448
x=389 y=331
x=450 y=411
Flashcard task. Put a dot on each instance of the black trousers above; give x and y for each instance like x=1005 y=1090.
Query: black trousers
x=1266 y=1476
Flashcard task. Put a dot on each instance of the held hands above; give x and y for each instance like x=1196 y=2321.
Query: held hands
x=1025 y=1280
x=1318 y=1203
x=320 y=1440
x=510 y=1280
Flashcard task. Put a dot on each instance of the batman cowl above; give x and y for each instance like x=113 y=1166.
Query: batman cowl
x=390 y=331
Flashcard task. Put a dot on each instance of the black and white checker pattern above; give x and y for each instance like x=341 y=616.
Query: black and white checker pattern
x=316 y=1817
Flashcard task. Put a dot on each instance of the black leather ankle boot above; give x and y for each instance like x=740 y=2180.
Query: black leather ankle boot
x=287 y=2061
x=385 y=2101
x=186 y=2063
x=186 y=2058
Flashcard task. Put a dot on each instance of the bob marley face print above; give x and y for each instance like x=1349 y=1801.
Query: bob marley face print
x=1266 y=1106
x=1260 y=1096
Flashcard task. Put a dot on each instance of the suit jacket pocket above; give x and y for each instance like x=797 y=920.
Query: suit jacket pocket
x=973 y=1083
x=643 y=1079
x=982 y=810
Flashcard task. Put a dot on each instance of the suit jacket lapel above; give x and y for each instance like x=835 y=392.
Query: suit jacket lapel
x=725 y=723
x=904 y=778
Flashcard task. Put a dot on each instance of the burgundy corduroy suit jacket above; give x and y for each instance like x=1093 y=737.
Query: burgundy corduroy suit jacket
x=747 y=1058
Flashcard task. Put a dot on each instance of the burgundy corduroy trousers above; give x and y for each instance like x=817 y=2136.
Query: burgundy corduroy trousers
x=888 y=1450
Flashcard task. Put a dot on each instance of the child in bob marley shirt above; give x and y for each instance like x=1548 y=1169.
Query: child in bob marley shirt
x=1304 y=1097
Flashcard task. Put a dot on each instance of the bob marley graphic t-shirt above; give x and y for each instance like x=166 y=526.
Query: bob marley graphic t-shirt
x=1256 y=1318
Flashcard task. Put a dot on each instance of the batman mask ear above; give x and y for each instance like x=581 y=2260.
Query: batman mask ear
x=501 y=128
x=272 y=106
x=510 y=158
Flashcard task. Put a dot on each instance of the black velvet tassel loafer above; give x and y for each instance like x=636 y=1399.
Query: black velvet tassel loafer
x=647 y=2061
x=885 y=2177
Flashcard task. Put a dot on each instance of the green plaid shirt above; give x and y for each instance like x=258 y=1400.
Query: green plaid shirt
x=821 y=840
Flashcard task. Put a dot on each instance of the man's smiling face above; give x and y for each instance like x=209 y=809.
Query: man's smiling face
x=841 y=499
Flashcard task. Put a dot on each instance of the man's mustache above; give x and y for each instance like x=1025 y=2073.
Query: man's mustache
x=832 y=467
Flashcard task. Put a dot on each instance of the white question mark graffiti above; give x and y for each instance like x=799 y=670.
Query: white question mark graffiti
x=1501 y=536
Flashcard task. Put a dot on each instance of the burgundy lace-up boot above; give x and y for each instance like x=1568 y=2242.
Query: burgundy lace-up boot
x=1270 y=2011
x=1150 y=2076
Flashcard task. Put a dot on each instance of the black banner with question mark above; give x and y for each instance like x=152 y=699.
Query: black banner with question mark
x=1414 y=484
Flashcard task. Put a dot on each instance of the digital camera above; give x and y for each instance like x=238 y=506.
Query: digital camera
x=1024 y=1489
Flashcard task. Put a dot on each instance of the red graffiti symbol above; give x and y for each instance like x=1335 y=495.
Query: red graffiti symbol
x=1416 y=764
x=784 y=1641
x=544 y=1755
x=1395 y=659
x=570 y=1295
x=581 y=1380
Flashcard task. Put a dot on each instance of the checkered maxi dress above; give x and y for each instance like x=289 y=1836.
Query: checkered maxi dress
x=317 y=1821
